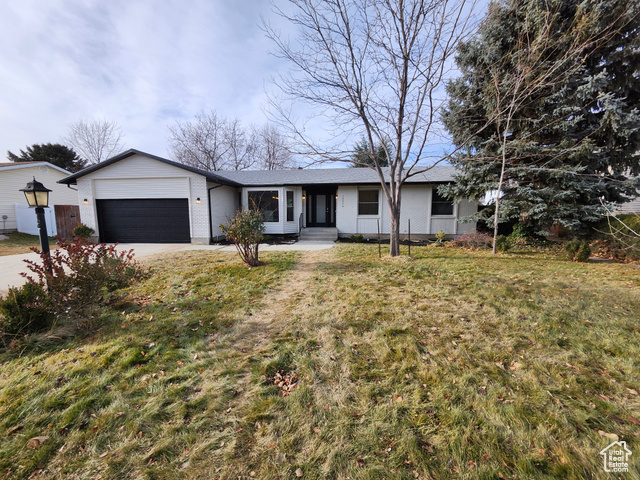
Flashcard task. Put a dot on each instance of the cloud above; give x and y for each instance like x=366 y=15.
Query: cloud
x=142 y=64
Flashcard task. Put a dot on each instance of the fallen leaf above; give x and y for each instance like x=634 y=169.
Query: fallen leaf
x=15 y=430
x=36 y=442
x=609 y=436
x=299 y=472
x=104 y=454
x=632 y=391
x=500 y=365
x=635 y=421
x=515 y=366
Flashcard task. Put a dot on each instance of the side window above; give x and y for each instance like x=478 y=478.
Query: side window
x=440 y=205
x=289 y=206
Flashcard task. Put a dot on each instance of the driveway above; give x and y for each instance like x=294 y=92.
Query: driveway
x=12 y=265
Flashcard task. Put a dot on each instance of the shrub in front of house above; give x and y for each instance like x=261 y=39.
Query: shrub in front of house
x=618 y=237
x=577 y=250
x=474 y=241
x=504 y=243
x=245 y=230
x=83 y=231
x=80 y=275
x=25 y=310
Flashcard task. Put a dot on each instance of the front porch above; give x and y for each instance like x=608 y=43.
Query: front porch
x=319 y=234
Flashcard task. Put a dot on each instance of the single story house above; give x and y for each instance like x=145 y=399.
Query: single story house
x=136 y=197
x=14 y=211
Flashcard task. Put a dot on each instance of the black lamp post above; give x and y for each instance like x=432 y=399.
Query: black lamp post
x=38 y=197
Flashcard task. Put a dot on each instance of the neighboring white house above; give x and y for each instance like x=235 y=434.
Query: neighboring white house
x=136 y=197
x=13 y=205
x=632 y=206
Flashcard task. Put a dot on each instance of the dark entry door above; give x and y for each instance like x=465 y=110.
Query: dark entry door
x=157 y=220
x=321 y=208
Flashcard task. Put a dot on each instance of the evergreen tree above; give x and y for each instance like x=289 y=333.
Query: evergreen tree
x=548 y=106
x=365 y=156
x=54 y=153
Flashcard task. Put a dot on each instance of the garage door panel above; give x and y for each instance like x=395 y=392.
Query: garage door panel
x=144 y=220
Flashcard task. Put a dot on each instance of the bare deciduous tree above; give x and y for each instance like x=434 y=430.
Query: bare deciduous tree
x=377 y=69
x=95 y=140
x=273 y=152
x=242 y=146
x=201 y=142
x=212 y=142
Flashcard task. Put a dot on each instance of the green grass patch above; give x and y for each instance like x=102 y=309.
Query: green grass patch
x=449 y=364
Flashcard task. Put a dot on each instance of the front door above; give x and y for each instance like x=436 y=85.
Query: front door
x=321 y=208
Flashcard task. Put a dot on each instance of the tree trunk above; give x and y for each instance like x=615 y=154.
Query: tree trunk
x=501 y=181
x=394 y=232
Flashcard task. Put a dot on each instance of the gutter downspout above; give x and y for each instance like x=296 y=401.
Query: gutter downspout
x=209 y=207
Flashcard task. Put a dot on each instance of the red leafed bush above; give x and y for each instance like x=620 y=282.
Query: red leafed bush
x=79 y=274
x=474 y=240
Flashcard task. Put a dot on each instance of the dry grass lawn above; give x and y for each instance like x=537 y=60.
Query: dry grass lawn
x=335 y=364
x=21 y=243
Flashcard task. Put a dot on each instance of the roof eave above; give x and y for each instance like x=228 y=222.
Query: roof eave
x=72 y=179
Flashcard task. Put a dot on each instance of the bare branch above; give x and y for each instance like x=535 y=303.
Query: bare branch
x=95 y=140
x=373 y=68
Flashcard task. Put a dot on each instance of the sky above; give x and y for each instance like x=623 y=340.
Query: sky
x=144 y=64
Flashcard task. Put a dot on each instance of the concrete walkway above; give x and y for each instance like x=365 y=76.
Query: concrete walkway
x=12 y=265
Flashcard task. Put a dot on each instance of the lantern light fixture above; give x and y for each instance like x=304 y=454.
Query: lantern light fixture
x=36 y=193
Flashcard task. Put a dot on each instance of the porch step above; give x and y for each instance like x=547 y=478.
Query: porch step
x=318 y=234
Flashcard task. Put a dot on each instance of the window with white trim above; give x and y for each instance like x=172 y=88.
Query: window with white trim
x=289 y=206
x=265 y=201
x=368 y=202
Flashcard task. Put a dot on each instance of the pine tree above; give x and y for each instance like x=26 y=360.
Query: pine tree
x=56 y=154
x=555 y=87
x=365 y=156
